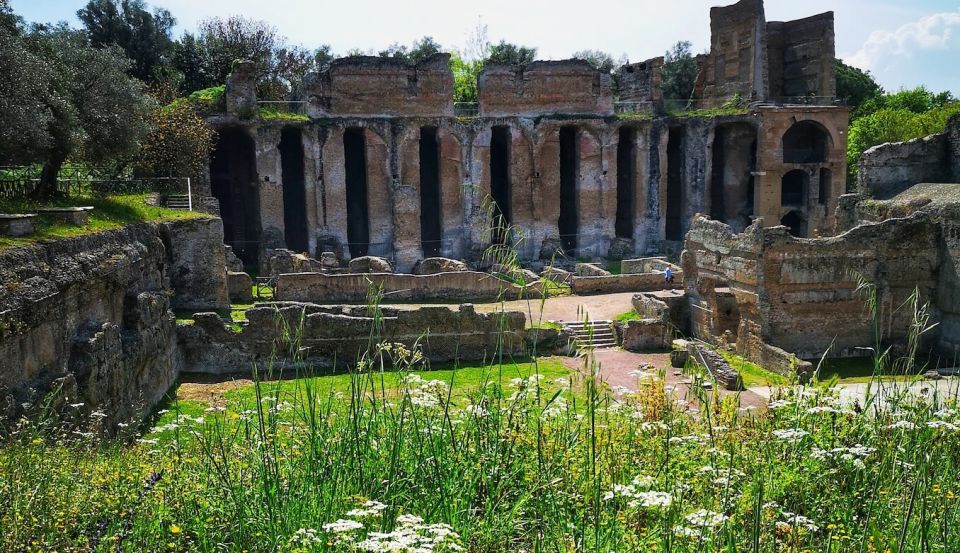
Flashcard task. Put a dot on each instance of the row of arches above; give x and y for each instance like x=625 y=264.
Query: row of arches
x=731 y=194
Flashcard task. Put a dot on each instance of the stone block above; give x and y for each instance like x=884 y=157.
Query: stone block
x=435 y=265
x=240 y=287
x=645 y=335
x=722 y=372
x=591 y=270
x=16 y=224
x=78 y=216
x=370 y=264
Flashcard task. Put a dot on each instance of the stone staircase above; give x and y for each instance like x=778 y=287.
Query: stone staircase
x=593 y=334
x=178 y=201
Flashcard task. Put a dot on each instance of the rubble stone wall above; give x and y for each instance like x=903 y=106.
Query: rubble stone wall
x=356 y=288
x=88 y=319
x=888 y=169
x=544 y=87
x=800 y=295
x=338 y=335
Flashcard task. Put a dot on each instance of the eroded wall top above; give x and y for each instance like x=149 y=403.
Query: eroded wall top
x=368 y=85
x=544 y=87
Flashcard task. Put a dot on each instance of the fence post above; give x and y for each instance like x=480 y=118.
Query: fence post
x=189 y=196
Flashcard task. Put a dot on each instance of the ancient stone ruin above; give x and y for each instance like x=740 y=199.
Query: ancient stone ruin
x=385 y=165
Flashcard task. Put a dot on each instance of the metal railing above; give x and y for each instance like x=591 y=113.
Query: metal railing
x=466 y=109
x=23 y=182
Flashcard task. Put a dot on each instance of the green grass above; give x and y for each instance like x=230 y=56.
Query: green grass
x=627 y=316
x=753 y=375
x=208 y=100
x=857 y=370
x=273 y=114
x=108 y=213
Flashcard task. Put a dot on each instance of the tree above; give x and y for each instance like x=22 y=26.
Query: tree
x=465 y=78
x=95 y=107
x=188 y=58
x=855 y=86
x=601 y=61
x=323 y=57
x=143 y=36
x=179 y=143
x=423 y=49
x=224 y=41
x=24 y=114
x=679 y=72
x=511 y=54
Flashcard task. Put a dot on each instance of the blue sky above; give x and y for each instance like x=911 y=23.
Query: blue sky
x=902 y=43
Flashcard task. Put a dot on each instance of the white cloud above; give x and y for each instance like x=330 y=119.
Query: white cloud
x=932 y=32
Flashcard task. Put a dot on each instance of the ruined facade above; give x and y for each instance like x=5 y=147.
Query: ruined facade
x=383 y=166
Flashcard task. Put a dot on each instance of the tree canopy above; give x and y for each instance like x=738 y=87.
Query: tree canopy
x=679 y=72
x=143 y=36
x=511 y=54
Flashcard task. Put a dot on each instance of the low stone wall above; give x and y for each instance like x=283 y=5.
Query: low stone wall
x=355 y=288
x=87 y=320
x=722 y=372
x=646 y=265
x=888 y=169
x=589 y=286
x=645 y=335
x=339 y=335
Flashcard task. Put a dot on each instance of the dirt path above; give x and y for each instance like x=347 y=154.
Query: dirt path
x=616 y=366
x=563 y=308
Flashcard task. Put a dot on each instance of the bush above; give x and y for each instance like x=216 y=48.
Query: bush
x=179 y=143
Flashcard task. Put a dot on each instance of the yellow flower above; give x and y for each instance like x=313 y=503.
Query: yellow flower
x=174 y=529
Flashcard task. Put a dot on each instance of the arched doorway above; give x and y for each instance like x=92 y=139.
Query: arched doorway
x=793 y=189
x=806 y=142
x=796 y=223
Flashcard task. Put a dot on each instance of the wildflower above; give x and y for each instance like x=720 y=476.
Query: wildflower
x=341 y=526
x=174 y=529
x=943 y=424
x=370 y=508
x=652 y=500
x=902 y=425
x=706 y=519
x=476 y=411
x=305 y=537
x=790 y=434
x=778 y=404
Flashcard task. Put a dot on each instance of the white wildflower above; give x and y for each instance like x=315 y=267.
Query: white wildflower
x=706 y=519
x=341 y=526
x=790 y=434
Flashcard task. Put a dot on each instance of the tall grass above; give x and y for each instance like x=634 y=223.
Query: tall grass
x=514 y=462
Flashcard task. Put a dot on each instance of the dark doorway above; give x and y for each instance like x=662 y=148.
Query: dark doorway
x=430 y=215
x=355 y=166
x=294 y=191
x=793 y=188
x=795 y=222
x=826 y=185
x=674 y=211
x=233 y=180
x=500 y=183
x=569 y=172
x=731 y=182
x=626 y=182
x=805 y=142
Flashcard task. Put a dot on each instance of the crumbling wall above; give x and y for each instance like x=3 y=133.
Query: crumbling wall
x=639 y=84
x=801 y=57
x=888 y=169
x=329 y=335
x=88 y=319
x=737 y=61
x=356 y=288
x=785 y=287
x=544 y=87
x=368 y=85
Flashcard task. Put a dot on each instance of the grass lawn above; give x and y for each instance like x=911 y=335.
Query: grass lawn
x=856 y=370
x=631 y=315
x=753 y=374
x=108 y=213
